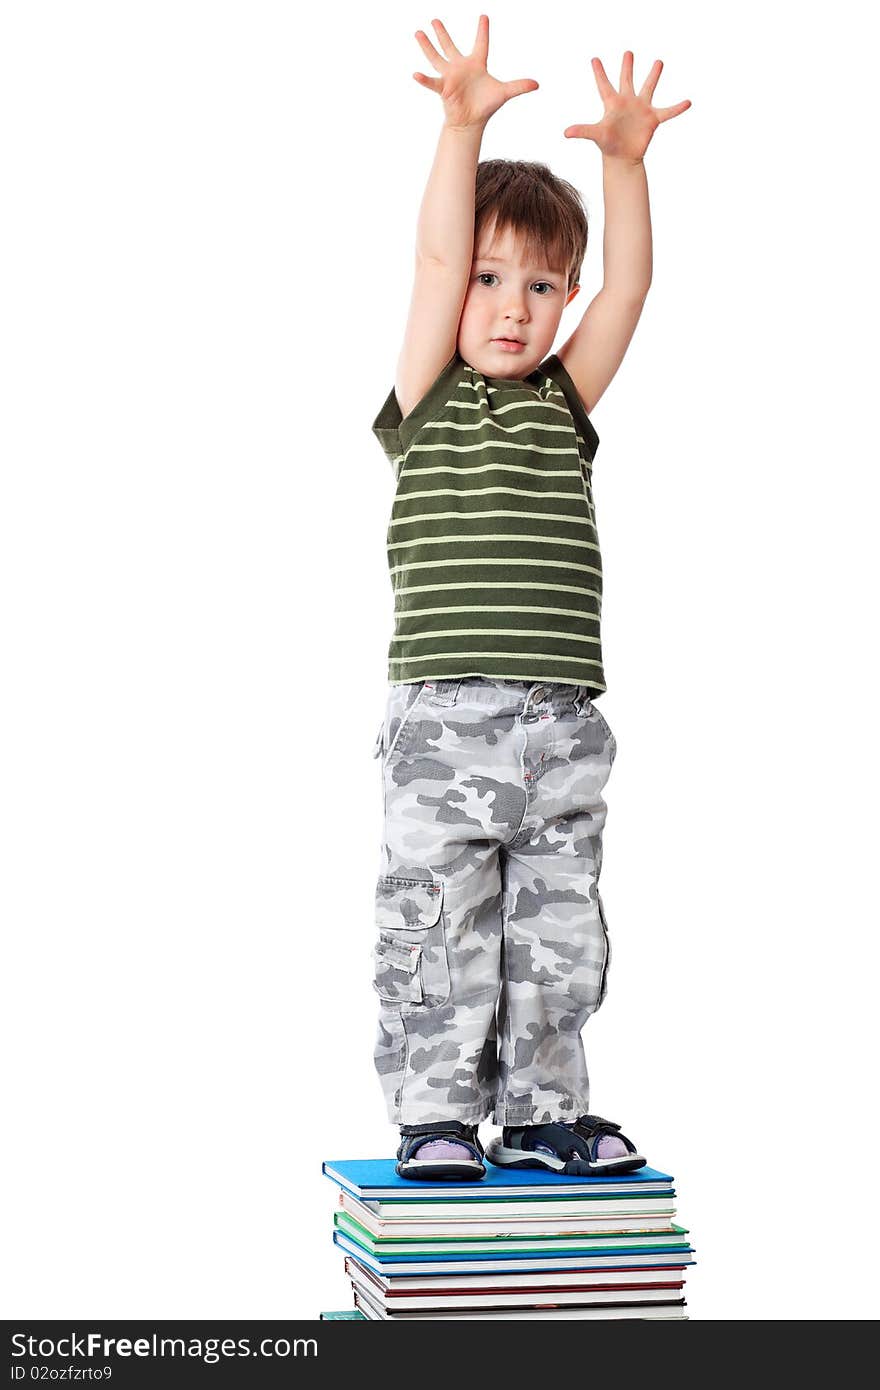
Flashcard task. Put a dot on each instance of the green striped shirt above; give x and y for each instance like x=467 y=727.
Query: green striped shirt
x=492 y=543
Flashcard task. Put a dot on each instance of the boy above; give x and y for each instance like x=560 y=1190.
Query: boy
x=492 y=946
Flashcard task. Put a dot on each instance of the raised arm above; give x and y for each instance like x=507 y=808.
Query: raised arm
x=445 y=233
x=596 y=349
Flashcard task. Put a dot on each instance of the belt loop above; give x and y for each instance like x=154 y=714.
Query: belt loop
x=582 y=700
x=443 y=692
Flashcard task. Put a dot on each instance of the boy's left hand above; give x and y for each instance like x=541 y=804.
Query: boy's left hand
x=630 y=120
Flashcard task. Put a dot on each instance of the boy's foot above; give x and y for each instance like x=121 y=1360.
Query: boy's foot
x=586 y=1147
x=447 y=1149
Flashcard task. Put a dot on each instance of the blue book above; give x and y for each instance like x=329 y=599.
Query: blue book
x=371 y=1179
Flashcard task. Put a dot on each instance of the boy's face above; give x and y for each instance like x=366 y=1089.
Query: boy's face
x=510 y=297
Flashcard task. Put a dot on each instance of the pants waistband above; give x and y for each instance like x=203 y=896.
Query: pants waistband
x=484 y=690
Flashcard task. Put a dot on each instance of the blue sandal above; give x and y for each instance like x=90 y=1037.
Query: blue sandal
x=564 y=1148
x=466 y=1164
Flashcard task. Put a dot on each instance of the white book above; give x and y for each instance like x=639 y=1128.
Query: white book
x=542 y=1214
x=560 y=1298
x=673 y=1311
x=639 y=1214
x=401 y=1209
x=464 y=1283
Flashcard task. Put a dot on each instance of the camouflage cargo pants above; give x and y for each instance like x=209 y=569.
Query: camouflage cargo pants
x=491 y=948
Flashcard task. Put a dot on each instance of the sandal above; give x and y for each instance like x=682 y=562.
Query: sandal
x=451 y=1150
x=572 y=1149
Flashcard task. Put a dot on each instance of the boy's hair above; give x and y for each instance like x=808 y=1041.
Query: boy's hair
x=529 y=199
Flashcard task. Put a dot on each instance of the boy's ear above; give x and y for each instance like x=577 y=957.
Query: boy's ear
x=572 y=293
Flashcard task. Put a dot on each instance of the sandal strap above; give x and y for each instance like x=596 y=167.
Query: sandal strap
x=413 y=1136
x=440 y=1127
x=592 y=1128
x=590 y=1125
x=576 y=1139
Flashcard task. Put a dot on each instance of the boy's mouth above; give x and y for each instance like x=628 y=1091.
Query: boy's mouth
x=509 y=344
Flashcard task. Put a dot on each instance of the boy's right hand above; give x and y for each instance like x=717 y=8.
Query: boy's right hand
x=470 y=96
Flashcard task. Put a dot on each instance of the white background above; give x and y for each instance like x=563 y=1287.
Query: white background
x=206 y=254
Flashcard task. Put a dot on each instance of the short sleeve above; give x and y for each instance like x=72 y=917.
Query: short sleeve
x=394 y=432
x=553 y=368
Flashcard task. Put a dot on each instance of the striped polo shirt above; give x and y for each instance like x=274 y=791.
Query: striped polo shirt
x=492 y=543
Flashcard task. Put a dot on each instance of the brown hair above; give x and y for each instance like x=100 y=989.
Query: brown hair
x=529 y=199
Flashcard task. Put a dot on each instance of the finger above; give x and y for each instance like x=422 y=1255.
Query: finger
x=430 y=51
x=665 y=113
x=581 y=132
x=626 y=74
x=433 y=82
x=520 y=85
x=605 y=88
x=446 y=43
x=481 y=42
x=650 y=82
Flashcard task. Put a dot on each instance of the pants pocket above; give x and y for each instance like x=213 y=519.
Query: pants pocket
x=410 y=957
x=612 y=741
x=380 y=741
x=396 y=970
x=587 y=710
x=397 y=736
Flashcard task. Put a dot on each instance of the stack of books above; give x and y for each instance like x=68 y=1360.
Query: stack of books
x=520 y=1243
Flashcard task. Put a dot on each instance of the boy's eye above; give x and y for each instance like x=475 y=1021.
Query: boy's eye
x=543 y=286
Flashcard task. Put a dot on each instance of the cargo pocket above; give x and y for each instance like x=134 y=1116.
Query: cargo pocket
x=411 y=964
x=603 y=983
x=396 y=970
